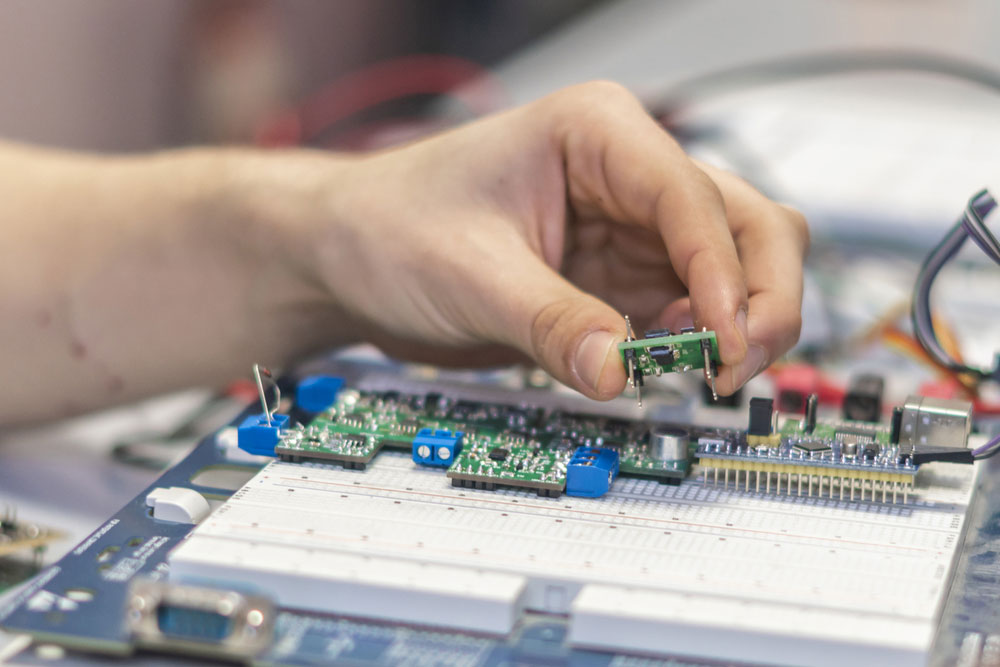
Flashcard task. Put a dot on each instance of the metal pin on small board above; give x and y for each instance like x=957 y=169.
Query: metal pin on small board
x=632 y=370
x=259 y=372
x=706 y=351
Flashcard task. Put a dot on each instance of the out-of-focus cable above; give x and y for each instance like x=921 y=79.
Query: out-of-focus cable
x=458 y=78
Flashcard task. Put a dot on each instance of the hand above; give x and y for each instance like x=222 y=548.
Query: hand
x=535 y=229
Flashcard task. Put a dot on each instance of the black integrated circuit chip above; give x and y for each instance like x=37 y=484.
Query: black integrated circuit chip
x=811 y=446
x=499 y=454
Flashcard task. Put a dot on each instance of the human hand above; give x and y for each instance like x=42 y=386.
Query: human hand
x=528 y=229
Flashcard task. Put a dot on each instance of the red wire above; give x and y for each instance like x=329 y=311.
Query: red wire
x=378 y=83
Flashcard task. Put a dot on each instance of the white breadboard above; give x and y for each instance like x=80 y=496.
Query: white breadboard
x=690 y=569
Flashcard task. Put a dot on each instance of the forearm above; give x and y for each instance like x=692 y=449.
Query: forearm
x=125 y=276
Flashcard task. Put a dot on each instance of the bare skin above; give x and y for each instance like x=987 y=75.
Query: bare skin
x=527 y=233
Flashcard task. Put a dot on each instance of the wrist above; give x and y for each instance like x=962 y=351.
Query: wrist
x=278 y=207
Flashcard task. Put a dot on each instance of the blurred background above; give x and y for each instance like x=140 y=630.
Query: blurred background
x=877 y=118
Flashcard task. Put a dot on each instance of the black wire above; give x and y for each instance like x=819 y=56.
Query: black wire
x=970 y=224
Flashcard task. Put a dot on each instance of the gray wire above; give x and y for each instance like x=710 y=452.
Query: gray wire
x=970 y=225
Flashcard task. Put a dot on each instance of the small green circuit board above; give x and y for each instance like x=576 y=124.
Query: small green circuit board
x=503 y=445
x=353 y=431
x=488 y=460
x=672 y=353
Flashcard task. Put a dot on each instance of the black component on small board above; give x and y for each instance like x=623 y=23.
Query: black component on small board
x=685 y=330
x=926 y=454
x=863 y=400
x=657 y=333
x=499 y=454
x=896 y=424
x=871 y=452
x=812 y=403
x=662 y=354
x=761 y=413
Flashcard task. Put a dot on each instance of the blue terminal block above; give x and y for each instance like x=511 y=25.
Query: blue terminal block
x=255 y=436
x=316 y=393
x=591 y=471
x=436 y=447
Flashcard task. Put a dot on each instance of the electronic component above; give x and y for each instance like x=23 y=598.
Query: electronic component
x=591 y=472
x=760 y=428
x=526 y=464
x=355 y=429
x=839 y=459
x=259 y=434
x=514 y=445
x=199 y=621
x=938 y=422
x=317 y=393
x=669 y=443
x=761 y=416
x=658 y=354
x=863 y=400
x=437 y=447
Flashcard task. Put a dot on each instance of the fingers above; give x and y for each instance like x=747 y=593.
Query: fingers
x=621 y=164
x=571 y=334
x=772 y=241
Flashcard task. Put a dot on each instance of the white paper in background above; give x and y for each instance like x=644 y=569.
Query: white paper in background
x=862 y=165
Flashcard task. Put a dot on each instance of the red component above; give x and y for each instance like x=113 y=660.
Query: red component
x=794 y=382
x=419 y=74
x=943 y=388
x=242 y=390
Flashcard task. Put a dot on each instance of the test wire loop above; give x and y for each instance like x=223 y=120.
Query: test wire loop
x=260 y=372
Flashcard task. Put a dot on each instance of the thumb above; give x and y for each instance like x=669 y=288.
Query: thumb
x=571 y=334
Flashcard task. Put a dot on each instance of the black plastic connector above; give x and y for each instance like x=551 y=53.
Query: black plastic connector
x=761 y=416
x=926 y=454
x=863 y=400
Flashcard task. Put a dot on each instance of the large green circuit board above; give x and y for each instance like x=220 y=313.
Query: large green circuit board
x=503 y=445
x=495 y=444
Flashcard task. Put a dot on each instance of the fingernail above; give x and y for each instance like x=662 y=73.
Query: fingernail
x=740 y=322
x=752 y=364
x=592 y=355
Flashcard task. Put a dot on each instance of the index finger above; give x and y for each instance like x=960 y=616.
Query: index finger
x=621 y=164
x=772 y=241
